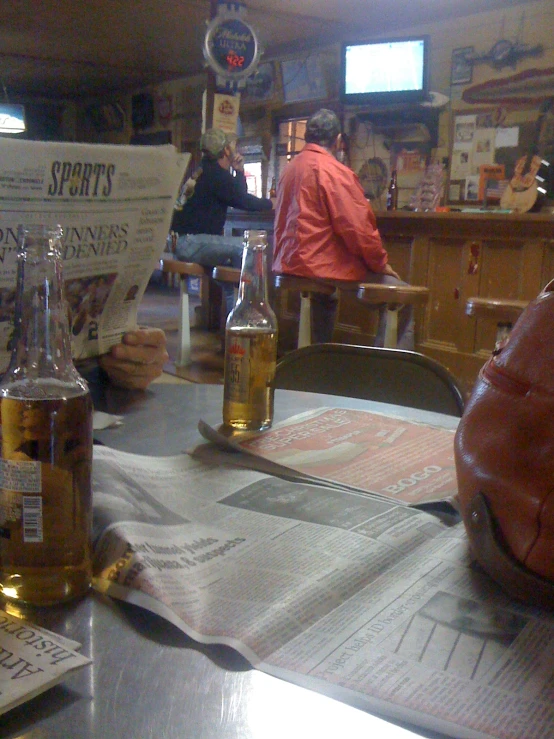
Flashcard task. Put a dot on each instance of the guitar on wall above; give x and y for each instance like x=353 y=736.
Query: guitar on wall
x=524 y=188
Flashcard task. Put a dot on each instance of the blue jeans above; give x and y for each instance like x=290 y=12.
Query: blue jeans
x=324 y=311
x=211 y=250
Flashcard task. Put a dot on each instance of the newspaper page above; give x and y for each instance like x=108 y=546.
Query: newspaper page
x=370 y=602
x=114 y=204
x=32 y=659
x=408 y=462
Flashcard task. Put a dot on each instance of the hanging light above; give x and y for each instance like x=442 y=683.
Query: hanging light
x=12 y=117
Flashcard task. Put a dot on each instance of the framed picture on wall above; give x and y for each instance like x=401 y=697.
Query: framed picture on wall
x=304 y=79
x=261 y=85
x=461 y=68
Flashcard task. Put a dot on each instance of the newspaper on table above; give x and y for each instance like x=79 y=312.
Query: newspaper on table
x=32 y=659
x=372 y=603
x=409 y=462
x=115 y=205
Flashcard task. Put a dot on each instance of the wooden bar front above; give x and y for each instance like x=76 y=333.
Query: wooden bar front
x=457 y=256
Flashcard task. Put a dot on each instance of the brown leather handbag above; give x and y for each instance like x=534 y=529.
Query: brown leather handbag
x=504 y=451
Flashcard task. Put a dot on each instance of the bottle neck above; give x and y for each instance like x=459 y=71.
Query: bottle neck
x=253 y=276
x=42 y=345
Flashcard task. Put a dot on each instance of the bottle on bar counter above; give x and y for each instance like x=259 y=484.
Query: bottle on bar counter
x=46 y=439
x=250 y=344
x=392 y=192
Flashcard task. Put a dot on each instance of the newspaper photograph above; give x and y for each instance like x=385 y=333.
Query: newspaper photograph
x=32 y=659
x=114 y=204
x=405 y=461
x=372 y=603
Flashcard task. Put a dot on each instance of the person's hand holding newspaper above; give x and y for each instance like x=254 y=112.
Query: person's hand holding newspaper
x=137 y=360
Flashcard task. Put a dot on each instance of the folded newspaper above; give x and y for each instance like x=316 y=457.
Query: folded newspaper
x=370 y=602
x=391 y=458
x=115 y=205
x=32 y=659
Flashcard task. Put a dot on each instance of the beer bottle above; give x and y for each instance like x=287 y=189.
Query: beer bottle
x=250 y=344
x=392 y=193
x=46 y=439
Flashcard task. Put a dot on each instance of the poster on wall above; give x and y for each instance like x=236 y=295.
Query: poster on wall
x=226 y=112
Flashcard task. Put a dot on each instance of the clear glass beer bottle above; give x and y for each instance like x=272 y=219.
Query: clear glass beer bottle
x=250 y=343
x=46 y=439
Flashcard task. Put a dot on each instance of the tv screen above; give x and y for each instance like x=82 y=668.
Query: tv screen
x=12 y=118
x=385 y=71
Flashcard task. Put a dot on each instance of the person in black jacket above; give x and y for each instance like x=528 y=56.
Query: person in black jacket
x=199 y=224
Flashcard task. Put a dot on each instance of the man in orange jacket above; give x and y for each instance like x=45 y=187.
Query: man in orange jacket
x=325 y=228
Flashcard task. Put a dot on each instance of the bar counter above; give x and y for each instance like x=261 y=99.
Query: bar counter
x=457 y=256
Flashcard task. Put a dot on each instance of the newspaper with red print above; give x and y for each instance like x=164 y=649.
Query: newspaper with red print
x=391 y=458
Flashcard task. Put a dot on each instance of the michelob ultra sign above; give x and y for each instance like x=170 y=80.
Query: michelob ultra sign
x=231 y=46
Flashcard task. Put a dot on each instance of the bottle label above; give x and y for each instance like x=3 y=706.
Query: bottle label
x=18 y=477
x=32 y=519
x=237 y=370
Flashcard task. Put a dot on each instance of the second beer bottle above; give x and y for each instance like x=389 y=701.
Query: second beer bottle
x=46 y=439
x=250 y=343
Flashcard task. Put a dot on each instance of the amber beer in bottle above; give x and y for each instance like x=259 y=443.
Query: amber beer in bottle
x=46 y=439
x=250 y=344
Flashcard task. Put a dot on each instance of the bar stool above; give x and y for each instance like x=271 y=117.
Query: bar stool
x=184 y=270
x=505 y=312
x=230 y=275
x=394 y=297
x=307 y=288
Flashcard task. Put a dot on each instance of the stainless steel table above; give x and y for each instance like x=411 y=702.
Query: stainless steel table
x=147 y=678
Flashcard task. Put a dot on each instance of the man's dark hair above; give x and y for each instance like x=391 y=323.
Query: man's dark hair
x=322 y=128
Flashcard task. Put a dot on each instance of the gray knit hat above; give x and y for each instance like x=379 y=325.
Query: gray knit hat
x=213 y=142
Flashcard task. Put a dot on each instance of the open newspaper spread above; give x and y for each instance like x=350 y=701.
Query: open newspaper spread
x=115 y=205
x=370 y=602
x=395 y=459
x=32 y=659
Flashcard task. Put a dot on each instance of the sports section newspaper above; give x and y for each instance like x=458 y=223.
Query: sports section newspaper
x=114 y=204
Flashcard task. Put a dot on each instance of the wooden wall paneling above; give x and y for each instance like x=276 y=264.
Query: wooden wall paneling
x=547 y=266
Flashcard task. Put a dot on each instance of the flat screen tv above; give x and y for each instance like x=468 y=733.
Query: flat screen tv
x=385 y=72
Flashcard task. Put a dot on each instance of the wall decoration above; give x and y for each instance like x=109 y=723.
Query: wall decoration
x=142 y=110
x=231 y=46
x=506 y=53
x=164 y=105
x=261 y=85
x=304 y=79
x=106 y=117
x=461 y=68
x=226 y=112
x=528 y=87
x=495 y=151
